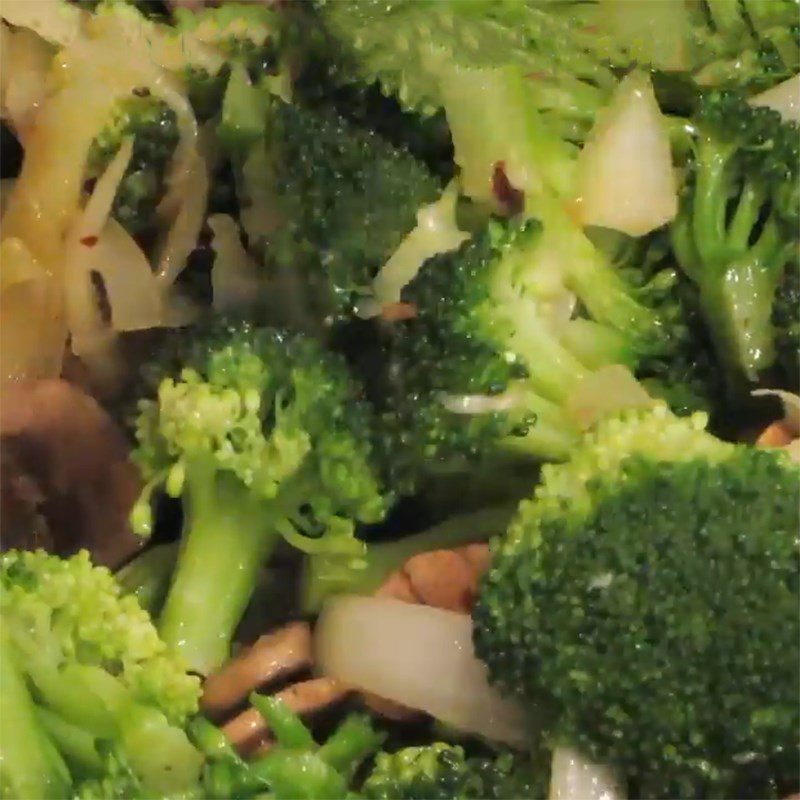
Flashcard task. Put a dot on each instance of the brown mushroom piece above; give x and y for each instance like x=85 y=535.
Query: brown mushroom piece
x=272 y=656
x=67 y=480
x=249 y=732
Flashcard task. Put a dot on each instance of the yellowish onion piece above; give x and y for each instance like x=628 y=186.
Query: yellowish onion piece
x=25 y=60
x=418 y=656
x=32 y=332
x=436 y=232
x=625 y=176
x=783 y=98
x=606 y=391
x=574 y=777
x=54 y=20
x=235 y=276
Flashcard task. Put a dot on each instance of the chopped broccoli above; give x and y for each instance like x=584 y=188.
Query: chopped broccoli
x=96 y=694
x=507 y=364
x=342 y=200
x=645 y=602
x=751 y=44
x=244 y=34
x=153 y=126
x=262 y=436
x=736 y=230
x=442 y=771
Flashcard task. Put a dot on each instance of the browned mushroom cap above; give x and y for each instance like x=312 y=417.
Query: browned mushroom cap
x=67 y=479
x=249 y=732
x=272 y=656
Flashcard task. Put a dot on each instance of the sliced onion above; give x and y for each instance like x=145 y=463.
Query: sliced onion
x=436 y=232
x=53 y=20
x=26 y=59
x=791 y=406
x=607 y=391
x=235 y=276
x=625 y=175
x=574 y=777
x=479 y=403
x=418 y=656
x=783 y=98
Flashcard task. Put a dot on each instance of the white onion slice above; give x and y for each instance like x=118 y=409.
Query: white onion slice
x=436 y=232
x=574 y=777
x=53 y=20
x=418 y=656
x=235 y=276
x=625 y=174
x=783 y=98
x=480 y=403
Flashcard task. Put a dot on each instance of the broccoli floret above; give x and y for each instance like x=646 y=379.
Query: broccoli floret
x=262 y=436
x=153 y=126
x=749 y=45
x=244 y=34
x=390 y=43
x=736 y=229
x=96 y=693
x=629 y=601
x=444 y=772
x=506 y=366
x=786 y=321
x=342 y=200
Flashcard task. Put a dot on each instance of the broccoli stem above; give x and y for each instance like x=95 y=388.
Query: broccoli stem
x=385 y=557
x=227 y=536
x=31 y=765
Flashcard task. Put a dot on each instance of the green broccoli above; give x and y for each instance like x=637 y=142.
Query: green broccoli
x=736 y=230
x=243 y=34
x=507 y=366
x=442 y=771
x=645 y=603
x=262 y=436
x=336 y=201
x=153 y=126
x=91 y=696
x=750 y=45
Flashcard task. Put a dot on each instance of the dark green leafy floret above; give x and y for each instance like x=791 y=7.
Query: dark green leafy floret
x=442 y=771
x=153 y=126
x=736 y=230
x=647 y=599
x=342 y=198
x=262 y=436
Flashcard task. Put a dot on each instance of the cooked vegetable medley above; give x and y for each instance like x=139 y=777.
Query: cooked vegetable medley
x=399 y=399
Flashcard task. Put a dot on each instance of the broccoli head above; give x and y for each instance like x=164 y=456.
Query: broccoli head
x=341 y=200
x=514 y=321
x=736 y=229
x=442 y=771
x=629 y=600
x=153 y=126
x=262 y=436
x=90 y=692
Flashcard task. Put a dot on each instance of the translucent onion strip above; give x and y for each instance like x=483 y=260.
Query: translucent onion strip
x=419 y=656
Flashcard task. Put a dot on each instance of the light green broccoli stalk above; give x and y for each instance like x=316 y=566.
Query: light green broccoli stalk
x=89 y=690
x=262 y=436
